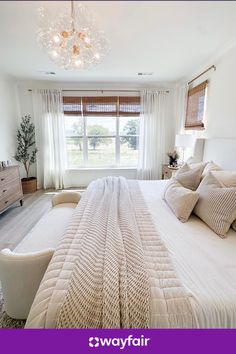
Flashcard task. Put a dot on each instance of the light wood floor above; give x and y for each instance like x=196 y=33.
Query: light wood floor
x=16 y=222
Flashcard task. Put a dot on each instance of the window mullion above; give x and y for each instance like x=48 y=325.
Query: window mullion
x=85 y=142
x=117 y=141
x=117 y=132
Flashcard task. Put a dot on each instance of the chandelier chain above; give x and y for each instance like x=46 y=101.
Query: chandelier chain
x=73 y=16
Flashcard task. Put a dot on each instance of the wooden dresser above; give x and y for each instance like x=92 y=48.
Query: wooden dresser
x=10 y=187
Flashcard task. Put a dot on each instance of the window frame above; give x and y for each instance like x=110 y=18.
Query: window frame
x=116 y=136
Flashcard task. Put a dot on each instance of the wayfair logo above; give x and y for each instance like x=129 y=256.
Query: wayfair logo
x=95 y=342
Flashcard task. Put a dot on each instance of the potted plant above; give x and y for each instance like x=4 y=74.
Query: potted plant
x=26 y=152
x=173 y=158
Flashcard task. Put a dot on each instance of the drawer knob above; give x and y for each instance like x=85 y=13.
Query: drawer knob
x=4 y=190
x=2 y=179
x=6 y=201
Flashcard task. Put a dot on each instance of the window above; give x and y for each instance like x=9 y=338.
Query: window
x=196 y=107
x=102 y=131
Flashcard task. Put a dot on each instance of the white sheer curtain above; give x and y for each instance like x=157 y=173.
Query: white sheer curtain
x=153 y=122
x=50 y=137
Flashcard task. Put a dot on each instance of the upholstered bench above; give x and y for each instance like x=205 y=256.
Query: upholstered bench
x=22 y=269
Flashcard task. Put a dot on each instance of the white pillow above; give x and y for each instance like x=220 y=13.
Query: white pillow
x=180 y=200
x=216 y=205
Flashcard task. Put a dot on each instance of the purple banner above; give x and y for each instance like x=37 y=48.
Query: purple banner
x=117 y=341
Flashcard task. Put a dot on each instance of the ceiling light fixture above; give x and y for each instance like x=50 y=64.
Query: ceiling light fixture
x=46 y=72
x=145 y=74
x=70 y=39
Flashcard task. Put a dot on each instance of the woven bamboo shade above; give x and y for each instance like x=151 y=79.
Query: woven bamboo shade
x=195 y=107
x=72 y=105
x=105 y=105
x=100 y=106
x=129 y=106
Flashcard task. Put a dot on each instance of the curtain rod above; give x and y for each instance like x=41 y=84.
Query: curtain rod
x=103 y=91
x=204 y=72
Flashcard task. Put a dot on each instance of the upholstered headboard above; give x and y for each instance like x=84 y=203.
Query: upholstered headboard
x=220 y=150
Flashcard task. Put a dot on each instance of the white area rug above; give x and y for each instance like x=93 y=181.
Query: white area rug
x=5 y=320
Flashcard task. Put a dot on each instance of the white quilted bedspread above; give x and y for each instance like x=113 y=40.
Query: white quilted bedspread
x=67 y=296
x=204 y=263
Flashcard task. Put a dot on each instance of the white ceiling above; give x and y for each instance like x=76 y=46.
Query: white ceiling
x=172 y=39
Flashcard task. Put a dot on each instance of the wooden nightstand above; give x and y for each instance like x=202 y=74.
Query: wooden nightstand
x=168 y=172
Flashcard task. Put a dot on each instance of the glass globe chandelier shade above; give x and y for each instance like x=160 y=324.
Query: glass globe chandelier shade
x=70 y=38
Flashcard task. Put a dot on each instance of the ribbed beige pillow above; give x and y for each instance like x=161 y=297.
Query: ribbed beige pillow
x=189 y=177
x=216 y=205
x=226 y=179
x=181 y=200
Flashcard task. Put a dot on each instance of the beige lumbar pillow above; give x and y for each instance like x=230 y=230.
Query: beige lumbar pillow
x=190 y=177
x=216 y=205
x=181 y=200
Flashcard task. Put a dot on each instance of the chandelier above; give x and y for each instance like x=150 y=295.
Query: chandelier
x=70 y=38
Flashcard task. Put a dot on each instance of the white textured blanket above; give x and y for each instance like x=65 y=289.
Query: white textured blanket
x=109 y=286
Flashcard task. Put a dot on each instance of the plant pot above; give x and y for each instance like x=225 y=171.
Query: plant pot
x=29 y=185
x=172 y=162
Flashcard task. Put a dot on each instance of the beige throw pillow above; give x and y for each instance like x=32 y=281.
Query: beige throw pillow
x=184 y=168
x=226 y=178
x=189 y=177
x=198 y=164
x=216 y=205
x=210 y=166
x=180 y=200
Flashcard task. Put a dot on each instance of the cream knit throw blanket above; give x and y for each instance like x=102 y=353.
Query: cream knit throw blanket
x=109 y=285
x=121 y=263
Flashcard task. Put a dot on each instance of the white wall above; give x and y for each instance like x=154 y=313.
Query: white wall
x=82 y=177
x=221 y=106
x=8 y=119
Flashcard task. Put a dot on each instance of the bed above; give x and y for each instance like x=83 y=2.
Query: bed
x=205 y=264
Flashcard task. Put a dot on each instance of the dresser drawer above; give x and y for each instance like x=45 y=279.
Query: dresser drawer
x=8 y=175
x=10 y=188
x=8 y=200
